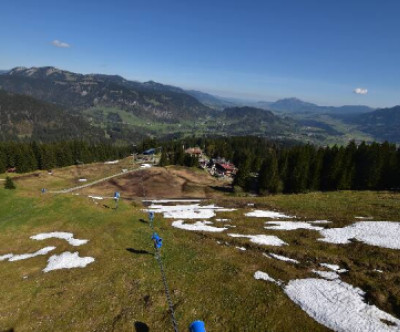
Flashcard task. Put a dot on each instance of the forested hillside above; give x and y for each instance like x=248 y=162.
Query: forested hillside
x=265 y=166
x=97 y=106
x=148 y=100
x=26 y=157
x=383 y=124
x=26 y=118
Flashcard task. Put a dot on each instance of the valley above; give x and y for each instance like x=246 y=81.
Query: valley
x=110 y=107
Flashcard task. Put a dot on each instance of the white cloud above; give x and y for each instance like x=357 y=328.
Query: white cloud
x=60 y=44
x=360 y=91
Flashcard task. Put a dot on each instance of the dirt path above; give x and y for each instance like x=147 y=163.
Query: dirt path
x=156 y=182
x=68 y=190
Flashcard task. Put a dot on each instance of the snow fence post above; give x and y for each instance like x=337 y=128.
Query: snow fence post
x=151 y=218
x=157 y=241
x=197 y=326
x=116 y=198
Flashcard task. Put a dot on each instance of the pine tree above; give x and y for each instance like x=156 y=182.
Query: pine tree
x=298 y=170
x=241 y=178
x=269 y=180
x=9 y=183
x=179 y=155
x=164 y=158
x=316 y=160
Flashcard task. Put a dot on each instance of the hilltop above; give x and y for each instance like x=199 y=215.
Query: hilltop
x=228 y=260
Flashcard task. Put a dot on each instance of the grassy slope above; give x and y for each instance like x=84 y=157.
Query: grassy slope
x=208 y=281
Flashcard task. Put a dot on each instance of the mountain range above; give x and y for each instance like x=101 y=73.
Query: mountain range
x=111 y=107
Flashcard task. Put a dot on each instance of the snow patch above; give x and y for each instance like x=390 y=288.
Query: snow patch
x=5 y=257
x=291 y=225
x=197 y=226
x=241 y=248
x=145 y=166
x=266 y=214
x=96 y=197
x=259 y=275
x=189 y=211
x=162 y=201
x=283 y=258
x=82 y=180
x=320 y=222
x=69 y=237
x=333 y=267
x=67 y=260
x=222 y=220
x=339 y=306
x=383 y=234
x=327 y=274
x=40 y=252
x=266 y=240
x=111 y=162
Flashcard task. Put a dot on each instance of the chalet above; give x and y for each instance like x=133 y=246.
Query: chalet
x=226 y=169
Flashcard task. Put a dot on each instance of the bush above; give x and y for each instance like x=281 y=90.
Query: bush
x=9 y=184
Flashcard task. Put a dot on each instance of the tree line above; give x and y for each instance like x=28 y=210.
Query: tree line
x=271 y=167
x=26 y=157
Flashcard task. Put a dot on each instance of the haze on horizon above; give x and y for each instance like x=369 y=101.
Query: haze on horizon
x=329 y=53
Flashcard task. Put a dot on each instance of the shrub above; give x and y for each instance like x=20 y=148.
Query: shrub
x=9 y=184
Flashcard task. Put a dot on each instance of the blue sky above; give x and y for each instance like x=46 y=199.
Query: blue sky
x=319 y=51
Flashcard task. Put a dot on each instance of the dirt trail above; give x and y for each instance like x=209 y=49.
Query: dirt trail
x=68 y=190
x=156 y=182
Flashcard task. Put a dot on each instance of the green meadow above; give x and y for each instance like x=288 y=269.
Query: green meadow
x=209 y=278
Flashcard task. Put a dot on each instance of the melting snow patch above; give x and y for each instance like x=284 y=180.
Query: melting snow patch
x=283 y=258
x=267 y=240
x=163 y=201
x=259 y=275
x=327 y=275
x=145 y=166
x=333 y=267
x=197 y=226
x=6 y=256
x=290 y=225
x=267 y=214
x=191 y=211
x=67 y=260
x=384 y=234
x=111 y=162
x=96 y=197
x=222 y=220
x=375 y=270
x=69 y=237
x=363 y=217
x=320 y=222
x=40 y=252
x=82 y=180
x=339 y=306
x=241 y=248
